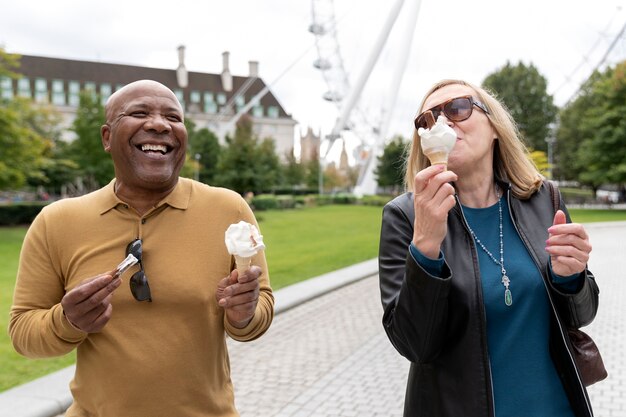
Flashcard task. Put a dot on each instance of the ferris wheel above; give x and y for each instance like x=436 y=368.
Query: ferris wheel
x=345 y=94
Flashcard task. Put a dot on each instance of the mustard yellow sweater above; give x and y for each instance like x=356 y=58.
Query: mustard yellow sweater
x=164 y=358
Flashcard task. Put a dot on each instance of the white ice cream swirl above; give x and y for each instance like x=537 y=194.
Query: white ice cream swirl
x=243 y=239
x=439 y=136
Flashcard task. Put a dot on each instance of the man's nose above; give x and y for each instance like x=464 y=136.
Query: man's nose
x=158 y=123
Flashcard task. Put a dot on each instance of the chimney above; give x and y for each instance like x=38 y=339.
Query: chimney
x=181 y=72
x=227 y=78
x=254 y=69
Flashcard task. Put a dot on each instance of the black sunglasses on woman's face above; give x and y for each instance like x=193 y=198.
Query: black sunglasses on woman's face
x=138 y=282
x=456 y=109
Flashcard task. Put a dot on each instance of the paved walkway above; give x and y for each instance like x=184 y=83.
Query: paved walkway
x=330 y=356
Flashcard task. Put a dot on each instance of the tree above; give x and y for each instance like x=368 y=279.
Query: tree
x=205 y=144
x=26 y=134
x=312 y=171
x=390 y=168
x=235 y=169
x=268 y=166
x=24 y=142
x=602 y=151
x=572 y=132
x=293 y=171
x=9 y=64
x=523 y=89
x=96 y=166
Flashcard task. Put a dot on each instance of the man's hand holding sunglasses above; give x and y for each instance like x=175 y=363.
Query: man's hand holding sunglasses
x=88 y=306
x=238 y=296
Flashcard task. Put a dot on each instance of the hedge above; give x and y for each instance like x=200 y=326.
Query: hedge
x=19 y=213
x=280 y=202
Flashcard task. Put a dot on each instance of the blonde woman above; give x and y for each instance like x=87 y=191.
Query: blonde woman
x=480 y=277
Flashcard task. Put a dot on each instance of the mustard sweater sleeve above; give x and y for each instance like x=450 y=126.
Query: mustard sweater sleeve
x=38 y=328
x=264 y=312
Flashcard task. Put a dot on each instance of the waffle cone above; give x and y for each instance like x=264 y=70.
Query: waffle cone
x=242 y=264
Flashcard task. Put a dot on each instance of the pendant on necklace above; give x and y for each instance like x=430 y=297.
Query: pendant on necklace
x=508 y=297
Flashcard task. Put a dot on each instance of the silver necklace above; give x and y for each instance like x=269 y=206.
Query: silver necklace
x=508 y=298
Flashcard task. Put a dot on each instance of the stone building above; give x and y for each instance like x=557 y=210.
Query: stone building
x=213 y=101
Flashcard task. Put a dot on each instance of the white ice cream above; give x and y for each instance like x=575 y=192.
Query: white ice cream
x=243 y=239
x=438 y=141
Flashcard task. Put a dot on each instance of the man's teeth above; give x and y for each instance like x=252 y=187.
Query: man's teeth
x=158 y=148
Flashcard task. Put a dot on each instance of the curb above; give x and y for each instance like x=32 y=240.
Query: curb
x=50 y=395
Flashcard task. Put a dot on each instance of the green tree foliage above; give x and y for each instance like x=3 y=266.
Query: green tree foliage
x=9 y=64
x=95 y=165
x=293 y=171
x=601 y=153
x=204 y=143
x=312 y=171
x=523 y=89
x=390 y=168
x=572 y=131
x=25 y=142
x=245 y=164
x=268 y=166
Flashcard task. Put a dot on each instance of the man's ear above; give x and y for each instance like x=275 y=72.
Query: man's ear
x=105 y=133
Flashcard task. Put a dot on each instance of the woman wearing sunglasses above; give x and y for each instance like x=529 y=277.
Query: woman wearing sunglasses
x=480 y=277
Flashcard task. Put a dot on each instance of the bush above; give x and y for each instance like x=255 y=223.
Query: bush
x=20 y=213
x=375 y=200
x=264 y=202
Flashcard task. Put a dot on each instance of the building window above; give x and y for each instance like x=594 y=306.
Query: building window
x=105 y=92
x=272 y=111
x=257 y=111
x=90 y=87
x=209 y=104
x=210 y=107
x=240 y=101
x=74 y=93
x=194 y=97
x=221 y=99
x=6 y=88
x=23 y=87
x=180 y=95
x=58 y=93
x=41 y=90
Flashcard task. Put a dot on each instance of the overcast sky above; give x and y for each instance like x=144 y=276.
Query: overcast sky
x=564 y=39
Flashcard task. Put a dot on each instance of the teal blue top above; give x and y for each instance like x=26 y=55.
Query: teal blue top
x=525 y=381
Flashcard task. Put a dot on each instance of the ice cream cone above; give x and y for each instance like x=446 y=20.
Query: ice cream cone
x=437 y=156
x=243 y=264
x=437 y=141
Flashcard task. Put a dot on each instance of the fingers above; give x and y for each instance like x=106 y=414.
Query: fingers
x=430 y=179
x=559 y=218
x=433 y=199
x=250 y=275
x=88 y=306
x=239 y=293
x=568 y=246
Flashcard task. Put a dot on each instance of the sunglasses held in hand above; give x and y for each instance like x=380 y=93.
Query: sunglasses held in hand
x=138 y=282
x=456 y=110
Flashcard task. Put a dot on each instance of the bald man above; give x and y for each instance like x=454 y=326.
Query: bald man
x=155 y=346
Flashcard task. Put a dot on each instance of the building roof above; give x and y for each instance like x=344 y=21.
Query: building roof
x=120 y=74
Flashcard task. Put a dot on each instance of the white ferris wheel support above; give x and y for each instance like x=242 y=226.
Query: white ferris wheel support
x=331 y=66
x=367 y=183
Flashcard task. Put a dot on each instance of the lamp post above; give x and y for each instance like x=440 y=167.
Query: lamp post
x=550 y=141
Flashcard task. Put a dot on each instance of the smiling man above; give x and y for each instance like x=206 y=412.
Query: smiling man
x=158 y=348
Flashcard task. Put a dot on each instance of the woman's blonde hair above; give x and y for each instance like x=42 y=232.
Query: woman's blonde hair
x=511 y=159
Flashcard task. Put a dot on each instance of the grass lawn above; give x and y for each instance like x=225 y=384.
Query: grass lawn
x=15 y=368
x=300 y=244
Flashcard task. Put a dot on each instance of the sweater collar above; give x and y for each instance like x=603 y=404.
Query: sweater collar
x=178 y=198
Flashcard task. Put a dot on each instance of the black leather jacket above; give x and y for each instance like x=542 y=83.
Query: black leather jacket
x=439 y=323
